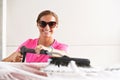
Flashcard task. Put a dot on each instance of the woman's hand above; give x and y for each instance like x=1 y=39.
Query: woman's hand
x=54 y=52
x=40 y=47
x=14 y=57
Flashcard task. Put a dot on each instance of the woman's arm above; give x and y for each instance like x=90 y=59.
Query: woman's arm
x=53 y=52
x=14 y=57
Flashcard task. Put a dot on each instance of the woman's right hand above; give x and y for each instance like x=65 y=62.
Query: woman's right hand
x=14 y=57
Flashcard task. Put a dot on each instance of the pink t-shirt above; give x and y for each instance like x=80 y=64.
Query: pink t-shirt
x=32 y=43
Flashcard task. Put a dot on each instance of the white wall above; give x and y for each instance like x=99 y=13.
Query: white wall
x=0 y=29
x=90 y=27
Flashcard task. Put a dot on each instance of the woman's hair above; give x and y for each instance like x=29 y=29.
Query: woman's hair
x=47 y=12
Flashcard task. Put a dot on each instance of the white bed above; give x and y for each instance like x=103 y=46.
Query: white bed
x=45 y=71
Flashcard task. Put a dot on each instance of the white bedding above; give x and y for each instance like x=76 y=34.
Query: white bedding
x=44 y=71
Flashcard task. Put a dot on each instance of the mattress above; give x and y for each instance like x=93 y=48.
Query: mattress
x=46 y=71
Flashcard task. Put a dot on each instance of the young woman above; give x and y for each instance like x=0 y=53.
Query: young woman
x=47 y=23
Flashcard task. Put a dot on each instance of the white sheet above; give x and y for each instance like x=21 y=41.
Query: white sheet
x=21 y=71
x=44 y=71
x=111 y=73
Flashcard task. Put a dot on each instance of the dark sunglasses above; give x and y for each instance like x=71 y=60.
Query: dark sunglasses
x=51 y=24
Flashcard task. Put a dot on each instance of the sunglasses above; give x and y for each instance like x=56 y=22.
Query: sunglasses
x=51 y=24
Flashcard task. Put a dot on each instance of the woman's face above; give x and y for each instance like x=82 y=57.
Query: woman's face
x=47 y=25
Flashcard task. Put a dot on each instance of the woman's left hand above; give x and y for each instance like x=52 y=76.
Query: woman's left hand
x=39 y=48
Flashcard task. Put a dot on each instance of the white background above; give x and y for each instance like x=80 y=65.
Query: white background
x=0 y=29
x=91 y=28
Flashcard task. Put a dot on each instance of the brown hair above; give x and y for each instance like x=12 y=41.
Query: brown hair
x=47 y=12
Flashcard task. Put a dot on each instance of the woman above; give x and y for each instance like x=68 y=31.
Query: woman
x=47 y=23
